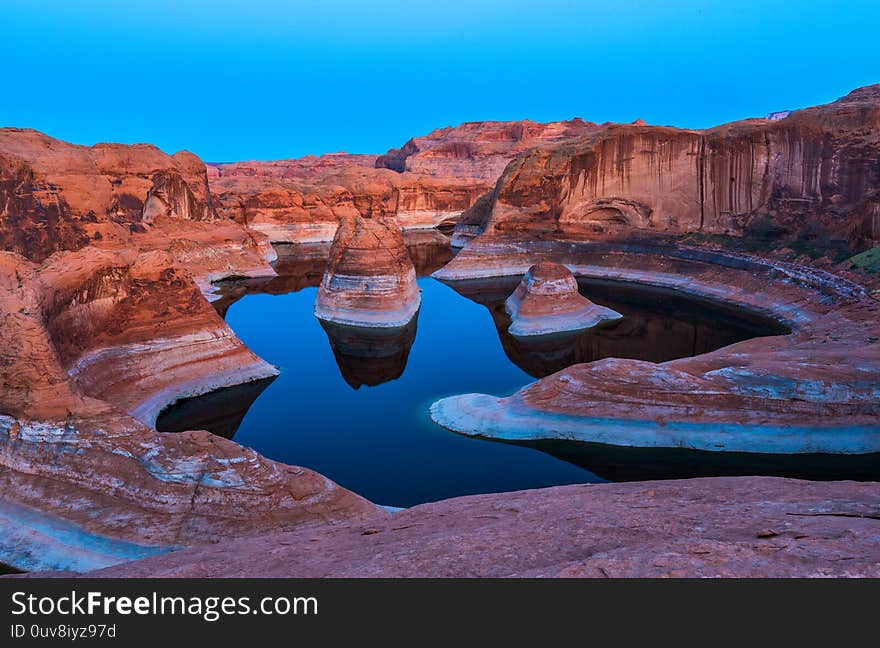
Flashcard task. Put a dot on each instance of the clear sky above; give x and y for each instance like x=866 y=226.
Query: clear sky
x=264 y=79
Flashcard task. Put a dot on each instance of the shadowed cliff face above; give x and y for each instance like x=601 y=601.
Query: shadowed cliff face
x=814 y=173
x=58 y=196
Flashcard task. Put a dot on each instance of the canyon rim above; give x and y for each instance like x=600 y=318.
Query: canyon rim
x=121 y=264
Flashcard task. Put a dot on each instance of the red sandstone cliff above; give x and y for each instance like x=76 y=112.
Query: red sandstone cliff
x=56 y=196
x=812 y=174
x=304 y=200
x=429 y=182
x=478 y=149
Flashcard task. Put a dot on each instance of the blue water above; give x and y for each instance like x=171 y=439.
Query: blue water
x=353 y=405
x=380 y=441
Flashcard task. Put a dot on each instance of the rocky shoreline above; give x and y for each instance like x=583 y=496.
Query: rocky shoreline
x=110 y=251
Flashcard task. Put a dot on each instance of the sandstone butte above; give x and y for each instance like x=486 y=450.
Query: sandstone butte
x=107 y=248
x=547 y=302
x=370 y=280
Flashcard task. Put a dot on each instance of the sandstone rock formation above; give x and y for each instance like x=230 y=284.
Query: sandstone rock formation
x=748 y=526
x=658 y=326
x=812 y=176
x=94 y=344
x=301 y=201
x=370 y=280
x=547 y=301
x=56 y=196
x=477 y=150
x=427 y=183
x=806 y=392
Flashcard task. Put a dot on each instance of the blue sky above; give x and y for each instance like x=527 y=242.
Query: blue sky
x=265 y=79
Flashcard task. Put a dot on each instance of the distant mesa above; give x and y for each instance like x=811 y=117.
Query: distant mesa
x=547 y=302
x=370 y=280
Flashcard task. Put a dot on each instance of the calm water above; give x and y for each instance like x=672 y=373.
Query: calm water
x=353 y=404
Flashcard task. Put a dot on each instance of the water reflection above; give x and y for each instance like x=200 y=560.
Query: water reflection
x=619 y=464
x=656 y=326
x=370 y=356
x=302 y=265
x=219 y=412
x=347 y=393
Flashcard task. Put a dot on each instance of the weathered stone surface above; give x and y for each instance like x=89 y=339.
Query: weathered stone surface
x=547 y=302
x=56 y=196
x=302 y=201
x=811 y=175
x=810 y=391
x=478 y=150
x=746 y=526
x=370 y=280
x=427 y=183
x=94 y=344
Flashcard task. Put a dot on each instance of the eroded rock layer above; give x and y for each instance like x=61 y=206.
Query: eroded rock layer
x=748 y=526
x=427 y=183
x=813 y=390
x=94 y=344
x=547 y=302
x=370 y=280
x=302 y=201
x=478 y=150
x=56 y=196
x=812 y=175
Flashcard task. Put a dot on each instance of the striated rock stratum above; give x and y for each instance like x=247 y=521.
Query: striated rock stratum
x=813 y=174
x=107 y=258
x=370 y=280
x=547 y=302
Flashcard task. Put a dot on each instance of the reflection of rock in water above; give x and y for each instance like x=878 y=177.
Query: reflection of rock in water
x=619 y=463
x=299 y=265
x=370 y=356
x=302 y=265
x=657 y=327
x=429 y=250
x=220 y=412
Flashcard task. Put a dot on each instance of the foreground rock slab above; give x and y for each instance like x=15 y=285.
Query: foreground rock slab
x=370 y=280
x=547 y=301
x=693 y=528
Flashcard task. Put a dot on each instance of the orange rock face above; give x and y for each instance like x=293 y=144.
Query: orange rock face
x=94 y=344
x=370 y=280
x=478 y=150
x=429 y=182
x=811 y=174
x=56 y=196
x=300 y=201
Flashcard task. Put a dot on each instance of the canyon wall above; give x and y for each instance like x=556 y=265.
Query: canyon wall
x=477 y=150
x=427 y=183
x=93 y=344
x=299 y=204
x=56 y=196
x=812 y=174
